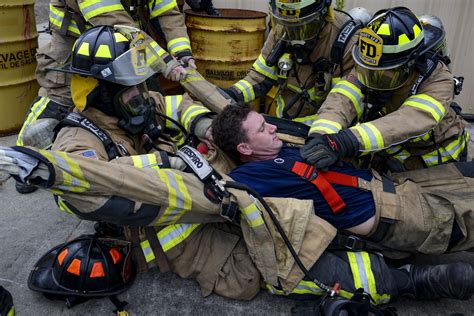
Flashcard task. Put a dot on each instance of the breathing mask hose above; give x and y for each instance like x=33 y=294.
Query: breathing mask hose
x=179 y=125
x=240 y=186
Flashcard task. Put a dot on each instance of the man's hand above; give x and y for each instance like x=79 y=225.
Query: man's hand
x=322 y=151
x=14 y=163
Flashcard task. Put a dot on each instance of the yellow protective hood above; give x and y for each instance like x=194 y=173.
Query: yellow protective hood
x=81 y=88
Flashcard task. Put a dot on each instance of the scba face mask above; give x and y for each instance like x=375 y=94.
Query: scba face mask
x=136 y=111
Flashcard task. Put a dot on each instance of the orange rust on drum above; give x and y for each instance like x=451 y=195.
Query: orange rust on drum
x=229 y=14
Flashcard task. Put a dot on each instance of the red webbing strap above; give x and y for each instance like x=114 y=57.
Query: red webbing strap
x=340 y=178
x=326 y=189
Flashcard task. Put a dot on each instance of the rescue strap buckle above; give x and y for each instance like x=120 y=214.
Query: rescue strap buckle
x=353 y=242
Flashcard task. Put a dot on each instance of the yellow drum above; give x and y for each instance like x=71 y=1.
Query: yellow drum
x=18 y=44
x=226 y=46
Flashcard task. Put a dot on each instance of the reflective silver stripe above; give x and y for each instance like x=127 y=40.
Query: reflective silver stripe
x=310 y=288
x=159 y=5
x=270 y=71
x=174 y=111
x=429 y=104
x=326 y=125
x=352 y=92
x=179 y=198
x=444 y=153
x=177 y=44
x=363 y=276
x=62 y=163
x=176 y=232
x=87 y=9
x=246 y=89
x=371 y=135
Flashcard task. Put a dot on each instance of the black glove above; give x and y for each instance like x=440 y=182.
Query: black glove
x=321 y=151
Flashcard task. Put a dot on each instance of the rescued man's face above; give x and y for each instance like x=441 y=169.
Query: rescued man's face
x=262 y=139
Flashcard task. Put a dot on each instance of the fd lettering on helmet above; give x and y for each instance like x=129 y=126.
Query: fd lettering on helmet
x=370 y=47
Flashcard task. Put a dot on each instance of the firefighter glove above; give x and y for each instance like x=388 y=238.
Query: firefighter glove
x=14 y=163
x=324 y=150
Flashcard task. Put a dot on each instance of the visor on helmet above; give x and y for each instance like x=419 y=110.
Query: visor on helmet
x=382 y=78
x=299 y=20
x=302 y=29
x=134 y=66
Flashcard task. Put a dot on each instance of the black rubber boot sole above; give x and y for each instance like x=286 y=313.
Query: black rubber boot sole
x=25 y=188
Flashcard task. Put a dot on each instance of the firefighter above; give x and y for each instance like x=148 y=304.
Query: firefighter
x=108 y=170
x=307 y=50
x=393 y=109
x=68 y=19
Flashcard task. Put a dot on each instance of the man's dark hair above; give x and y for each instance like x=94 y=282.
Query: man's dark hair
x=227 y=130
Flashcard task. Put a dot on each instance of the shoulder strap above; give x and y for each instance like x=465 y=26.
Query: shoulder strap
x=343 y=37
x=77 y=120
x=425 y=71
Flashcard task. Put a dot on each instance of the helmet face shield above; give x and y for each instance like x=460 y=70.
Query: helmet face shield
x=381 y=78
x=298 y=20
x=137 y=64
x=302 y=29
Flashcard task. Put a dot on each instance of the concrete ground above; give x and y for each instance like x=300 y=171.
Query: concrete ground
x=32 y=224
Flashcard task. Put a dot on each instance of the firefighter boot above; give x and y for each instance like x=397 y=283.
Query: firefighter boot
x=429 y=282
x=25 y=188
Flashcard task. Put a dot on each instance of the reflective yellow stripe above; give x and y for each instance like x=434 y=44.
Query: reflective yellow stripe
x=158 y=49
x=36 y=109
x=147 y=251
x=280 y=105
x=425 y=137
x=161 y=6
x=352 y=92
x=11 y=312
x=261 y=67
x=293 y=88
x=173 y=235
x=363 y=276
x=335 y=81
x=397 y=153
x=252 y=215
x=179 y=199
x=426 y=103
x=306 y=119
x=246 y=88
x=63 y=207
x=371 y=137
x=325 y=126
x=73 y=178
x=93 y=8
x=56 y=17
x=178 y=44
x=171 y=103
x=379 y=299
x=145 y=161
x=449 y=153
x=192 y=112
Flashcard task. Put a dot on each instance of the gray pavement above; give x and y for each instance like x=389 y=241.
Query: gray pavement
x=32 y=224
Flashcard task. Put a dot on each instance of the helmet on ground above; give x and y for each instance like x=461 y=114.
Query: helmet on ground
x=390 y=46
x=298 y=20
x=86 y=267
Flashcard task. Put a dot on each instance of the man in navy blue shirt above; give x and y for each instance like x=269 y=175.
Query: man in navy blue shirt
x=403 y=216
x=267 y=169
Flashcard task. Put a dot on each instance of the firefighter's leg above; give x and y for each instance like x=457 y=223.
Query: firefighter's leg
x=354 y=270
x=54 y=98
